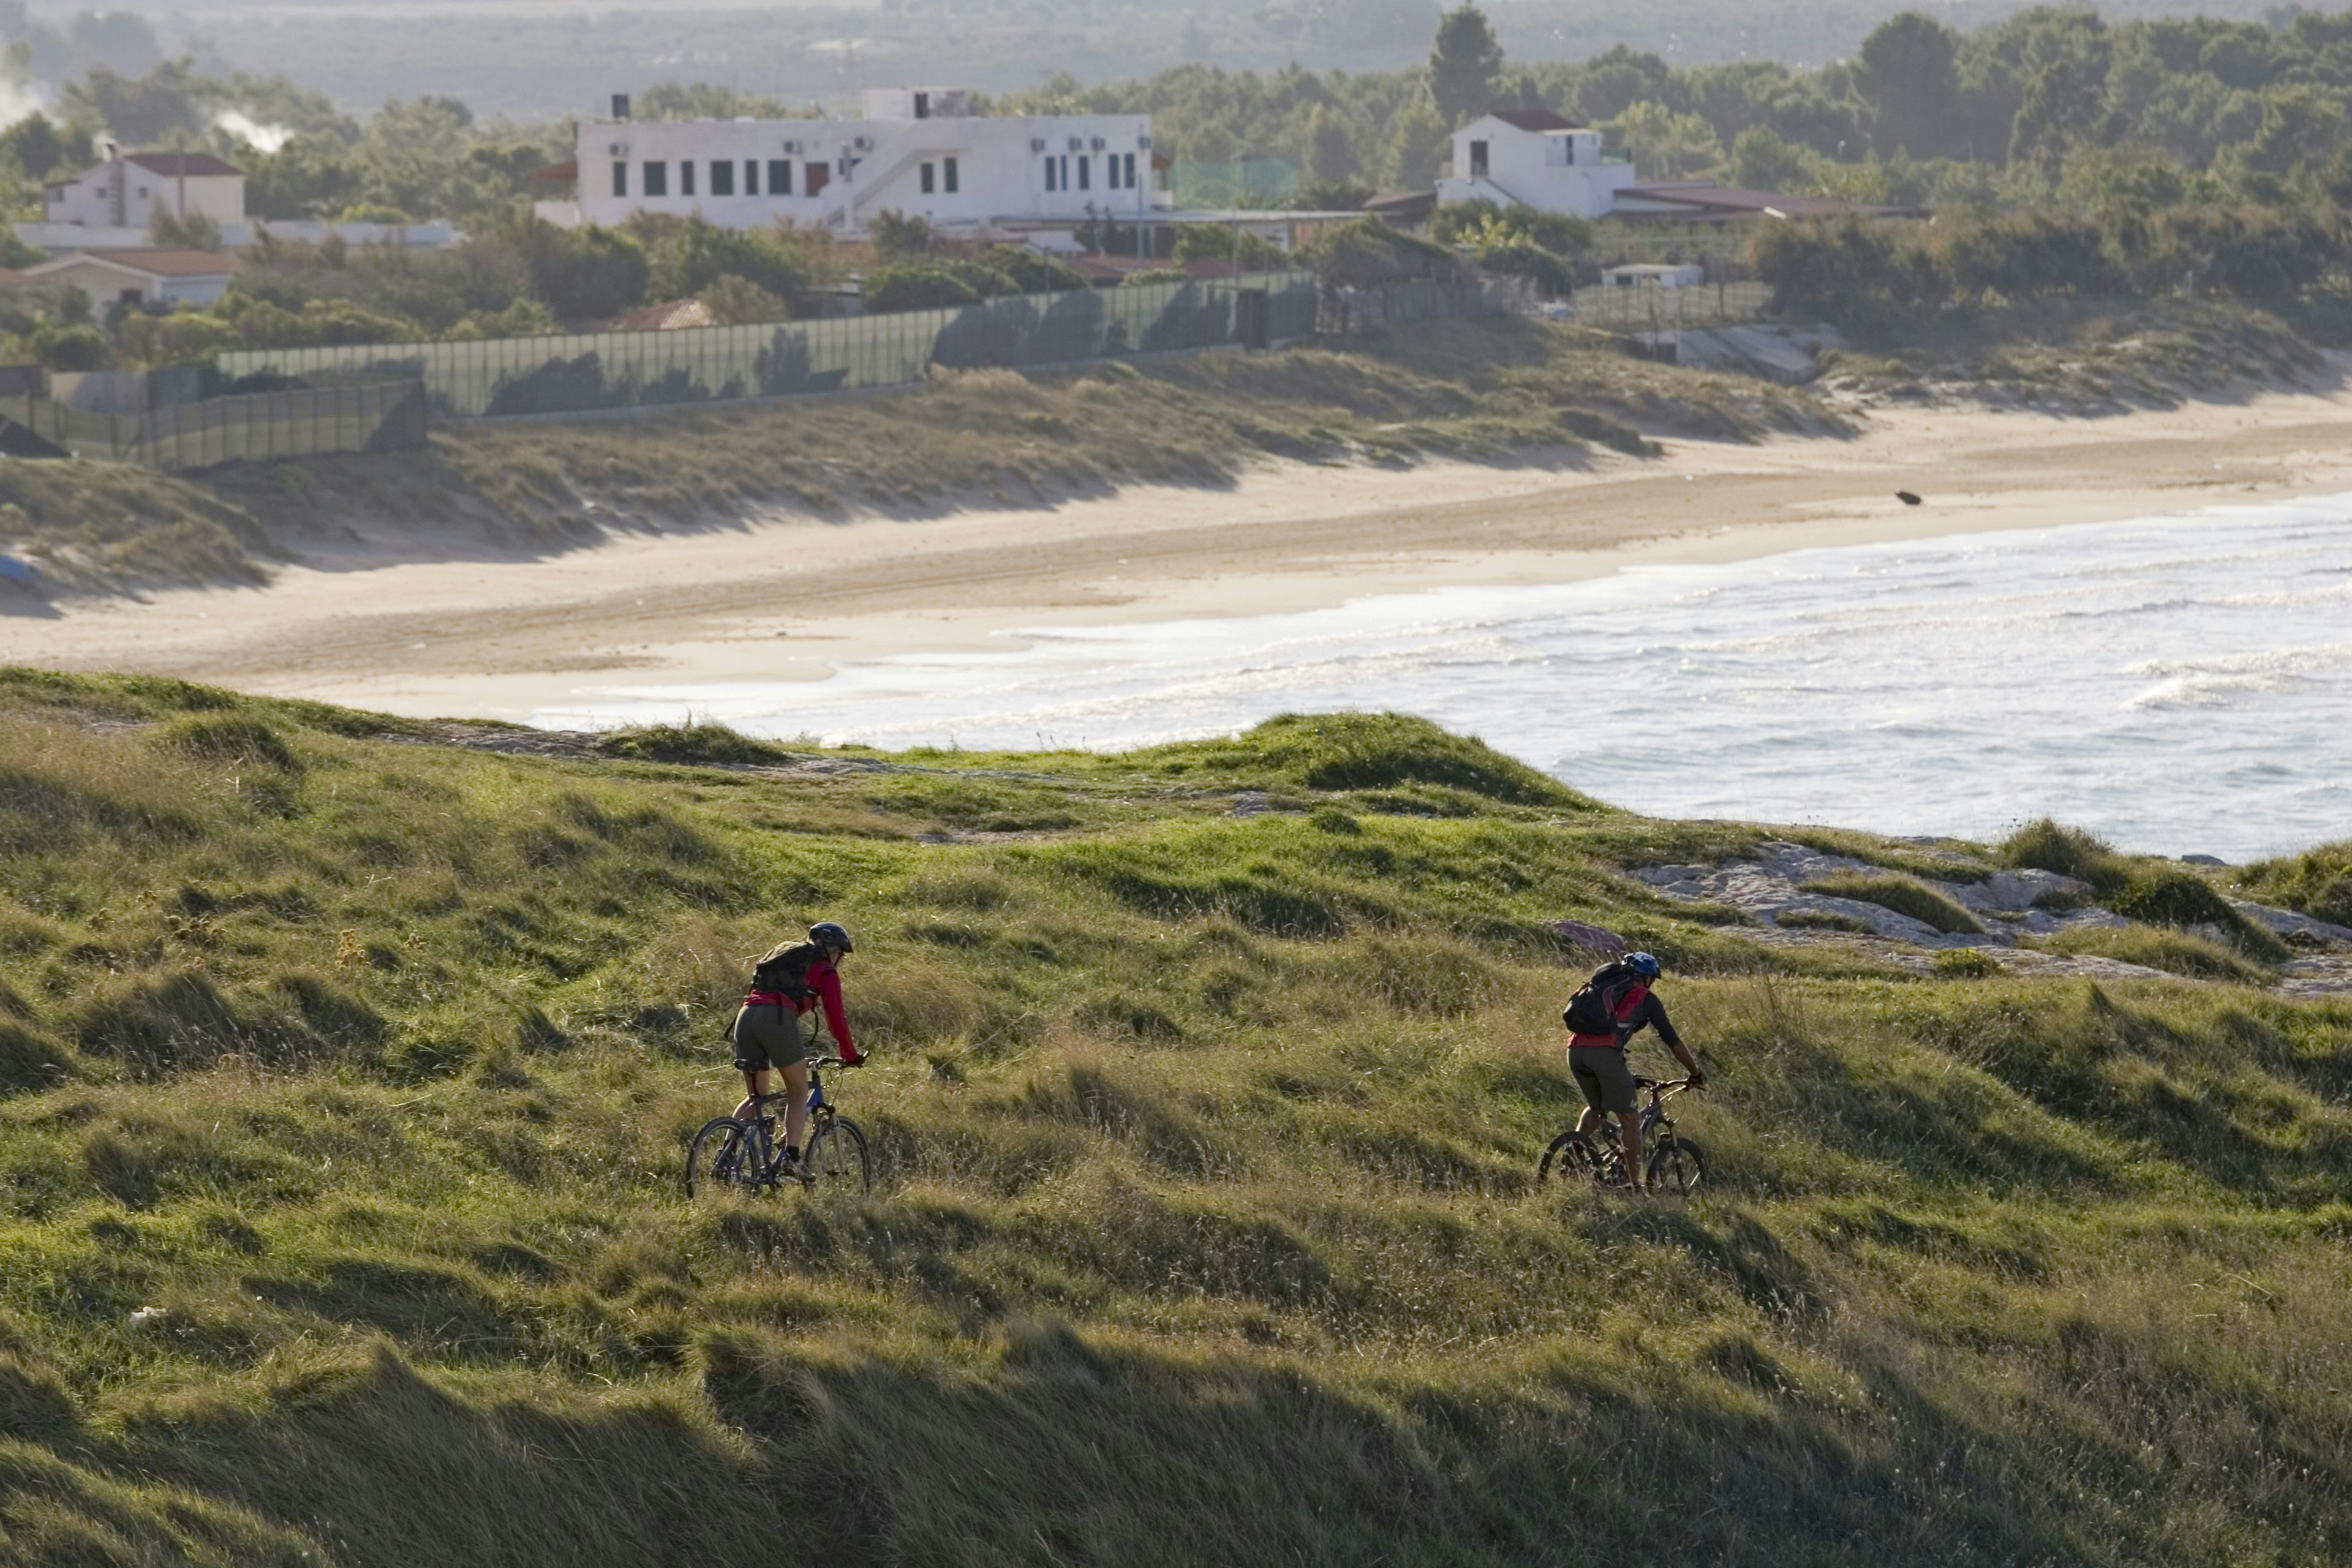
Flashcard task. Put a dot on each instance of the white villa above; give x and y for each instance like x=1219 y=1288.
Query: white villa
x=1533 y=157
x=123 y=192
x=916 y=151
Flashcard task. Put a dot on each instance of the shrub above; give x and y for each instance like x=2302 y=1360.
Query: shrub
x=2174 y=951
x=1032 y=271
x=915 y=286
x=70 y=348
x=692 y=741
x=1822 y=919
x=733 y=301
x=1904 y=895
x=2317 y=882
x=1547 y=271
x=1964 y=964
x=589 y=272
x=2172 y=897
x=1156 y=275
x=2044 y=845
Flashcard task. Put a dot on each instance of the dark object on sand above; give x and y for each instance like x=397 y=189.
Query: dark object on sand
x=1906 y=498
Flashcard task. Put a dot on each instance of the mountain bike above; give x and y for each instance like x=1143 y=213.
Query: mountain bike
x=742 y=1155
x=1675 y=1166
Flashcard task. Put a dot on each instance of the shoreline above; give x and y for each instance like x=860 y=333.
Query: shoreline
x=787 y=597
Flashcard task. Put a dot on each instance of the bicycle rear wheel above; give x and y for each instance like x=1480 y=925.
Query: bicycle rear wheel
x=835 y=1160
x=1676 y=1168
x=720 y=1159
x=1570 y=1157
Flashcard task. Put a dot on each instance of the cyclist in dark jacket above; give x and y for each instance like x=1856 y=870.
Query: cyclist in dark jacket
x=1598 y=1061
x=770 y=1038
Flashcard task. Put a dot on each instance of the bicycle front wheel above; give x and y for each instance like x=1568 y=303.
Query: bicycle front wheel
x=835 y=1160
x=720 y=1159
x=1676 y=1168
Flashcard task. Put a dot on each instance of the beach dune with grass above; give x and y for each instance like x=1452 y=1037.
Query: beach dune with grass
x=346 y=1064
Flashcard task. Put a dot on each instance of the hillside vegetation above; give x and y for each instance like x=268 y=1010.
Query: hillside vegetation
x=346 y=1076
x=1492 y=391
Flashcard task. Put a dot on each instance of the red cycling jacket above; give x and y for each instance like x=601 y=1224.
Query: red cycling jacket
x=824 y=980
x=1636 y=1010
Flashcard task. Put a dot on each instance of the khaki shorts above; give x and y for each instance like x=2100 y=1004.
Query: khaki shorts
x=1602 y=1073
x=767 y=1036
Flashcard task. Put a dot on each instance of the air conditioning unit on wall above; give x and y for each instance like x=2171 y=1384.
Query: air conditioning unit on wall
x=1036 y=144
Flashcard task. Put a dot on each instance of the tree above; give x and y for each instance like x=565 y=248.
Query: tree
x=896 y=237
x=1909 y=72
x=1464 y=60
x=1666 y=145
x=35 y=145
x=1762 y=161
x=1330 y=150
x=1417 y=147
x=732 y=302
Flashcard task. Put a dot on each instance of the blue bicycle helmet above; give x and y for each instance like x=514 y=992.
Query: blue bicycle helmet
x=828 y=934
x=1644 y=964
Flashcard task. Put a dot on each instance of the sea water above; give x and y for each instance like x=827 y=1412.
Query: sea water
x=2179 y=684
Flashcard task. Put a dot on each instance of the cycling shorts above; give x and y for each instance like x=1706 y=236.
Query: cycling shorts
x=1600 y=1071
x=769 y=1036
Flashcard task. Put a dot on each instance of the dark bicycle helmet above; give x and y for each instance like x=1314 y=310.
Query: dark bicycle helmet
x=831 y=933
x=1644 y=964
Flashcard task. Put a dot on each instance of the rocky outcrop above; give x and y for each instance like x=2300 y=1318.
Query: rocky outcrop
x=1770 y=888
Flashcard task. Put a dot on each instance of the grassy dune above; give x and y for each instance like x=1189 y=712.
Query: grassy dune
x=1485 y=391
x=1205 y=1227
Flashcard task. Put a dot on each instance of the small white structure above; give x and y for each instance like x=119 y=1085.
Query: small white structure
x=136 y=276
x=1656 y=274
x=125 y=190
x=916 y=151
x=1533 y=157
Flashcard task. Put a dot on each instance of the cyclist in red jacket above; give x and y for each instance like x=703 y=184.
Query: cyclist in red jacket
x=793 y=977
x=1598 y=1061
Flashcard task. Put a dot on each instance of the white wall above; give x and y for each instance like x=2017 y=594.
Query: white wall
x=1001 y=169
x=1551 y=170
x=105 y=284
x=90 y=200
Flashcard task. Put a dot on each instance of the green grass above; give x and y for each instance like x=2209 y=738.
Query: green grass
x=1492 y=391
x=2176 y=952
x=2317 y=882
x=1206 y=1229
x=1904 y=895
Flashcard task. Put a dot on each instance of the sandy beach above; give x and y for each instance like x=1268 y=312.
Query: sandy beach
x=787 y=597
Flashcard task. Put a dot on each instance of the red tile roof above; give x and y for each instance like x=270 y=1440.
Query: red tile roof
x=154 y=263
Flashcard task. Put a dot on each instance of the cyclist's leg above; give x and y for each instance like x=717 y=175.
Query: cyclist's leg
x=1629 y=1124
x=1580 y=1067
x=752 y=1061
x=791 y=1051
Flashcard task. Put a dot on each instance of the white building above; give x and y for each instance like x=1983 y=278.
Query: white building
x=915 y=151
x=1535 y=158
x=123 y=192
x=136 y=276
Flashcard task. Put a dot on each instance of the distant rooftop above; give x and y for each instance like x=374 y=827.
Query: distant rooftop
x=1534 y=120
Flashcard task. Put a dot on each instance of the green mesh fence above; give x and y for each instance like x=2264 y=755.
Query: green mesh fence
x=361 y=416
x=702 y=364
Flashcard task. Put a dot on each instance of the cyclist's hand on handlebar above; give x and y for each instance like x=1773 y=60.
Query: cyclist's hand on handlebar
x=852 y=1059
x=1698 y=1078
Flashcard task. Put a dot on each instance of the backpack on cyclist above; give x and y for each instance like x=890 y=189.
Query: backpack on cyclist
x=1593 y=1009
x=784 y=971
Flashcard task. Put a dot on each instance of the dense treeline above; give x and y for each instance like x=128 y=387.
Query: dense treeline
x=1921 y=114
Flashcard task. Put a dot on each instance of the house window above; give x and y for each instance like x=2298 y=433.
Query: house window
x=750 y=177
x=1477 y=160
x=926 y=179
x=1053 y=176
x=686 y=176
x=922 y=105
x=722 y=176
x=780 y=176
x=1129 y=158
x=819 y=172
x=620 y=178
x=1082 y=161
x=948 y=172
x=657 y=177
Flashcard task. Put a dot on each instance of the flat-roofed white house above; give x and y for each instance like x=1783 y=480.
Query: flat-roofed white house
x=915 y=150
x=125 y=190
x=1535 y=158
